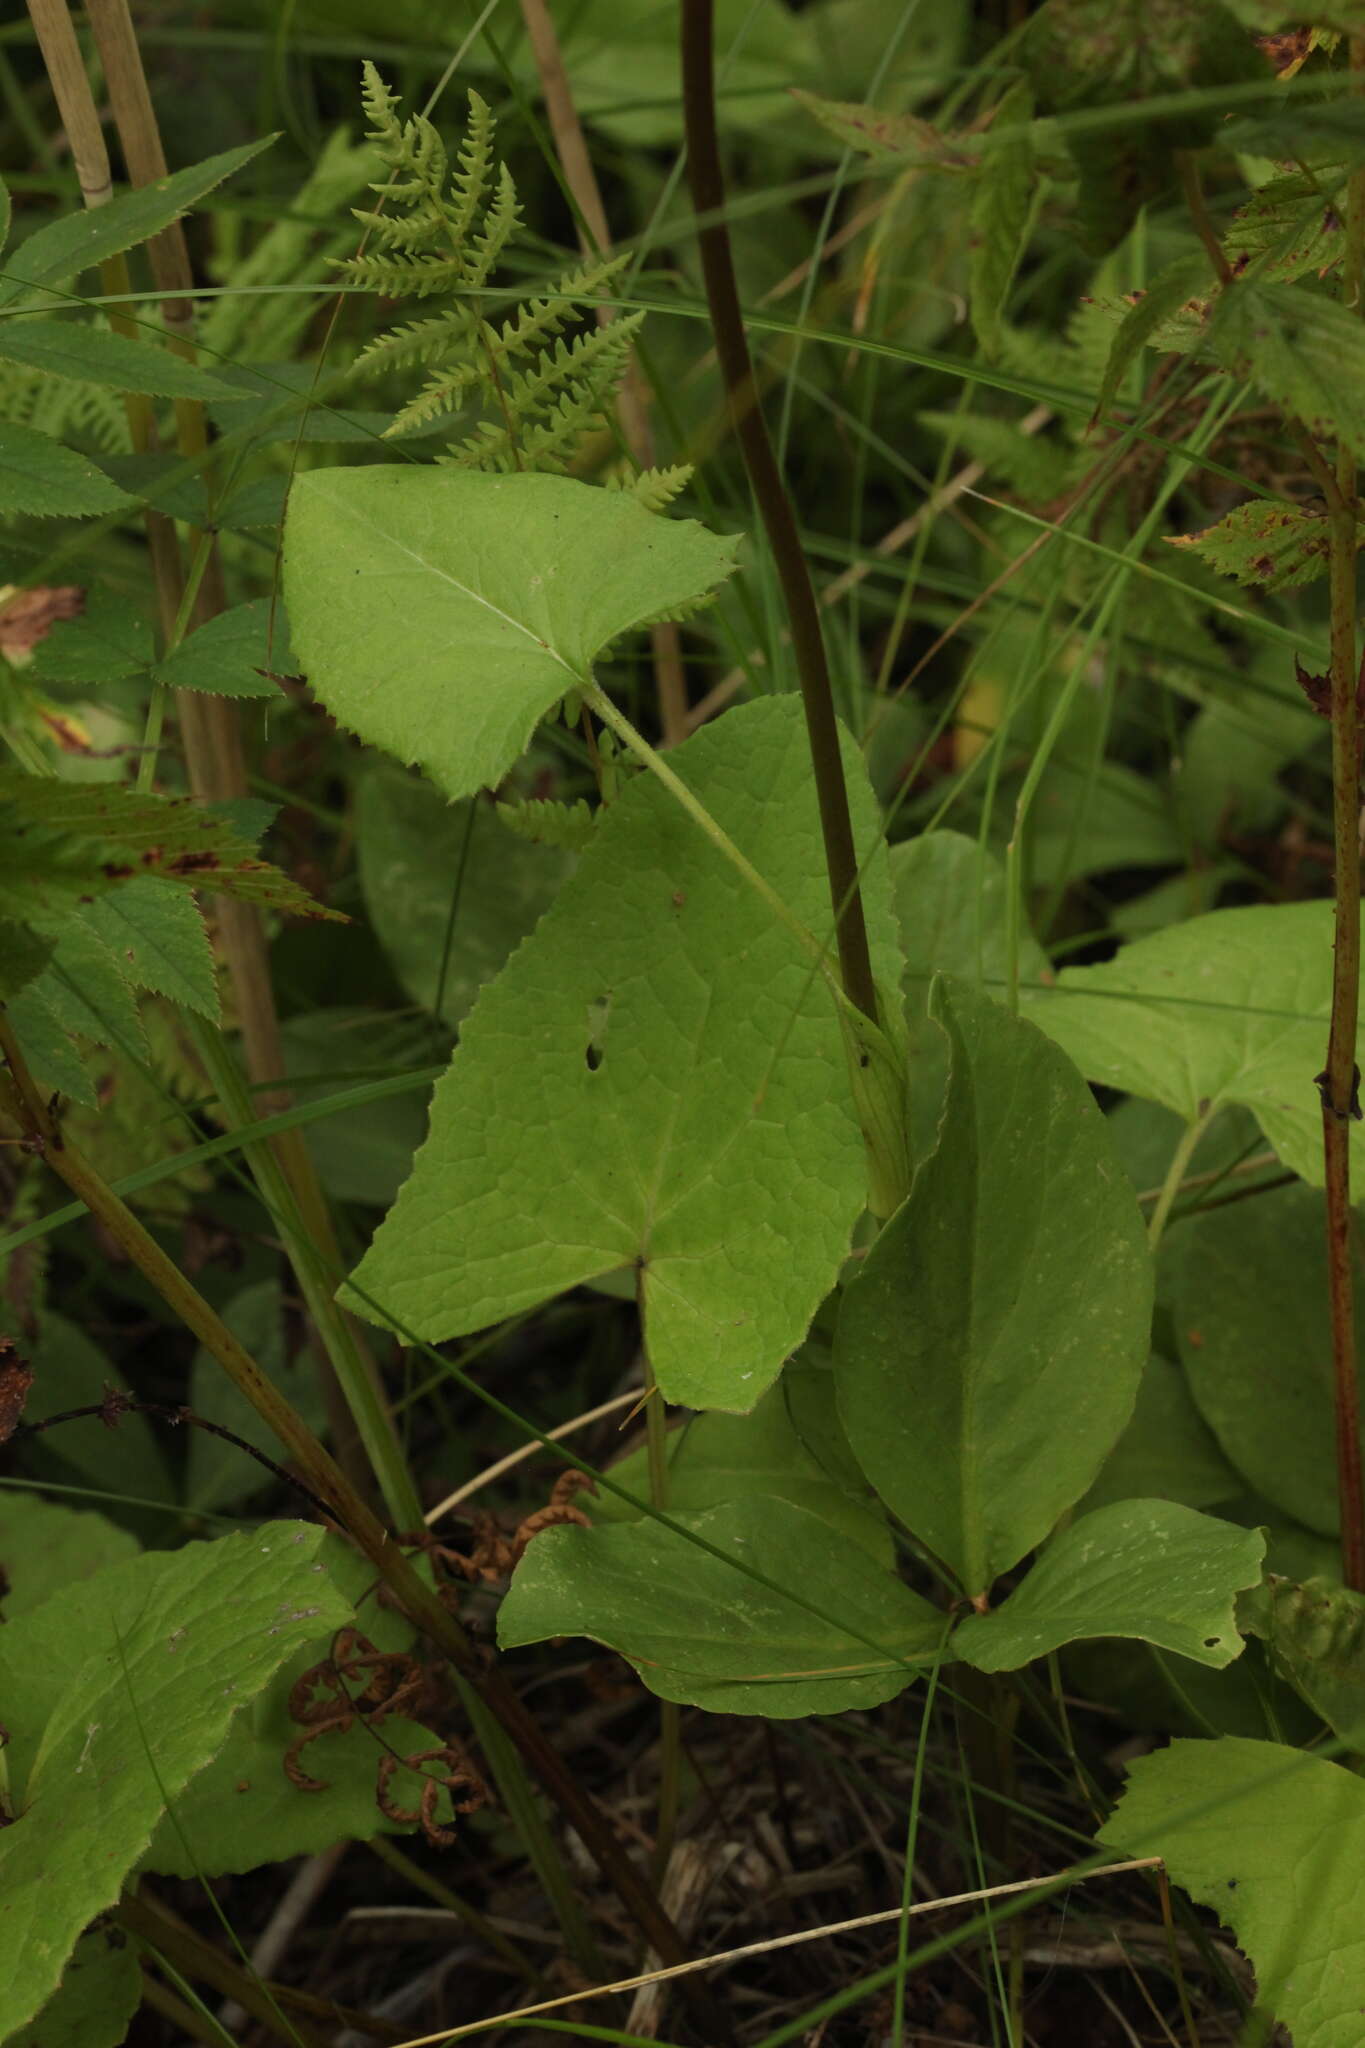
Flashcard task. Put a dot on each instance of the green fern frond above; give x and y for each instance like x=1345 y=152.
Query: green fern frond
x=439 y=227
x=546 y=823
x=656 y=488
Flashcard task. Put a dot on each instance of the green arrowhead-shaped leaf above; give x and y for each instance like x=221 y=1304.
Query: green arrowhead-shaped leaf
x=658 y=1076
x=717 y=1458
x=65 y=348
x=1229 y=1007
x=441 y=613
x=1316 y=1633
x=40 y=477
x=1145 y=1568
x=116 y=1692
x=1268 y=543
x=703 y=1633
x=990 y=1349
x=1274 y=1842
x=1254 y=1329
x=101 y=1989
x=156 y=934
x=228 y=656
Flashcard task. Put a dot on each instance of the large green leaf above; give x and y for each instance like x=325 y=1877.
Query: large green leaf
x=718 y=1458
x=64 y=248
x=1229 y=1007
x=101 y=1989
x=657 y=1075
x=1273 y=1841
x=1303 y=350
x=703 y=1633
x=431 y=872
x=1254 y=1327
x=441 y=613
x=1167 y=1451
x=990 y=1349
x=1145 y=1568
x=116 y=1692
x=952 y=907
x=65 y=348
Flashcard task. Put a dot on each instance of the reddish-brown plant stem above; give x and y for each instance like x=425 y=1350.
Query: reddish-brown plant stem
x=1339 y=1083
x=779 y=519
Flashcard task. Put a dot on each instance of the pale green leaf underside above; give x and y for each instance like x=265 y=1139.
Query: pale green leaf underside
x=657 y=1075
x=1273 y=1841
x=1229 y=1007
x=701 y=1632
x=1145 y=1568
x=989 y=1351
x=440 y=614
x=116 y=1692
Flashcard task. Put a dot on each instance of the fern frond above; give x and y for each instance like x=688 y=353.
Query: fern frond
x=500 y=223
x=418 y=343
x=400 y=277
x=656 y=488
x=381 y=108
x=474 y=161
x=441 y=393
x=538 y=319
x=546 y=823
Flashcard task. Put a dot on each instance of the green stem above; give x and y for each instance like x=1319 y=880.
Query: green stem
x=1175 y=1172
x=779 y=519
x=1340 y=1079
x=363 y=1398
x=670 y=1714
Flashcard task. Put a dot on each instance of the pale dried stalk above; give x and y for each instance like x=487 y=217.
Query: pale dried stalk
x=632 y=406
x=778 y=1941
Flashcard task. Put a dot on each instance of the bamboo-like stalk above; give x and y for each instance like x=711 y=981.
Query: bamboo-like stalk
x=1339 y=1083
x=633 y=406
x=779 y=519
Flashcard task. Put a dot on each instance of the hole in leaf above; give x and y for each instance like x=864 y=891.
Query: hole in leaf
x=1211 y=1642
x=599 y=1011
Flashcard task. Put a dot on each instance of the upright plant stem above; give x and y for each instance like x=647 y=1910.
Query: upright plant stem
x=21 y=1100
x=1340 y=1080
x=670 y=1714
x=1175 y=1173
x=779 y=519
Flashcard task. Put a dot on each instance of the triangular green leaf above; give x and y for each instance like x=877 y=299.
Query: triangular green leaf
x=1274 y=1842
x=1144 y=1568
x=1170 y=292
x=1288 y=228
x=110 y=639
x=235 y=654
x=116 y=1692
x=67 y=348
x=658 y=1075
x=989 y=1350
x=440 y=614
x=1229 y=1007
x=157 y=936
x=698 y=1631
